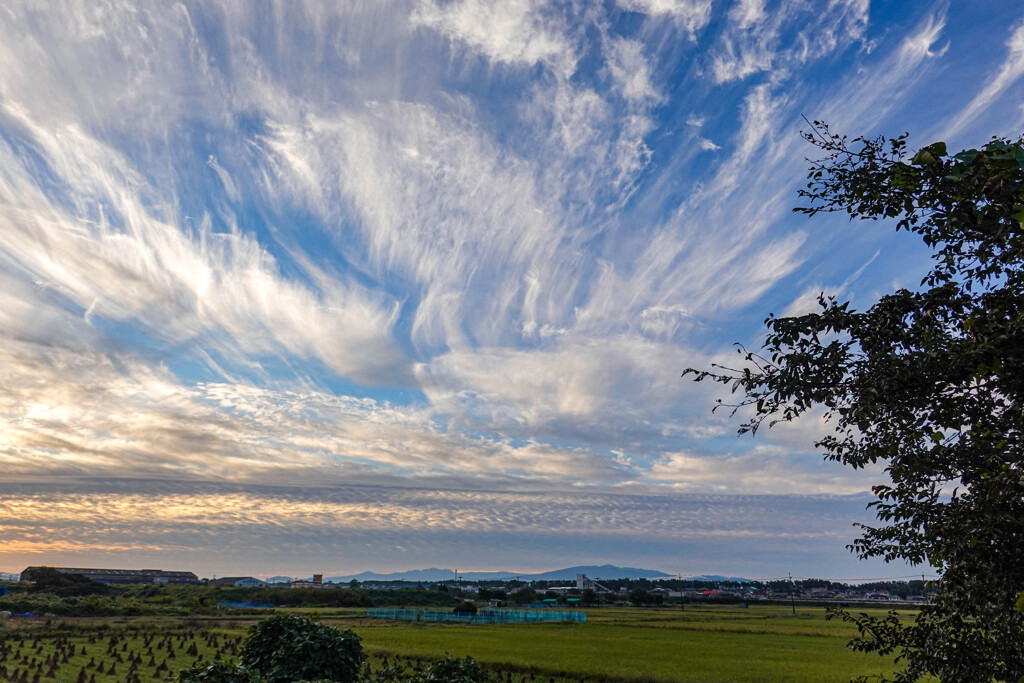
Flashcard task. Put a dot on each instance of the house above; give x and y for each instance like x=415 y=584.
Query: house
x=316 y=582
x=877 y=596
x=120 y=576
x=238 y=581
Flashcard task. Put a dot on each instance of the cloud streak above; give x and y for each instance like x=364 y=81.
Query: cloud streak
x=401 y=244
x=87 y=518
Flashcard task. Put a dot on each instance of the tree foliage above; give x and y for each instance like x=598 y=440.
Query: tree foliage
x=293 y=648
x=453 y=670
x=296 y=649
x=217 y=672
x=465 y=607
x=638 y=596
x=62 y=584
x=928 y=383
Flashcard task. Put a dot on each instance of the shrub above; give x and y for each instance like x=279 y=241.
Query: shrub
x=465 y=607
x=217 y=673
x=452 y=670
x=290 y=648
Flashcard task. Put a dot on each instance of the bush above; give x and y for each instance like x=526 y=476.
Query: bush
x=49 y=580
x=217 y=673
x=452 y=670
x=290 y=648
x=524 y=596
x=465 y=607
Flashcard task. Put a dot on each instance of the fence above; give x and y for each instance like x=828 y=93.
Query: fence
x=490 y=616
x=245 y=604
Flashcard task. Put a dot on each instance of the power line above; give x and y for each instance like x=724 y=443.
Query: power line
x=840 y=580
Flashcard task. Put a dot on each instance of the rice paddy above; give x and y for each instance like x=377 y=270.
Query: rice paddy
x=618 y=645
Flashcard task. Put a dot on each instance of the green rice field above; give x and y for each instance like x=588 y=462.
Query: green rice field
x=618 y=645
x=712 y=643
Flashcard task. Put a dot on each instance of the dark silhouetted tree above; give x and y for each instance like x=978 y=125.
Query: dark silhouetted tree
x=929 y=383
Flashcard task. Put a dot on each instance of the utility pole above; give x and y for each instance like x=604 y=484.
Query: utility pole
x=682 y=607
x=792 y=599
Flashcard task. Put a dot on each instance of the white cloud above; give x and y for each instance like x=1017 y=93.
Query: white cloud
x=513 y=32
x=111 y=255
x=380 y=527
x=736 y=63
x=438 y=204
x=747 y=13
x=807 y=301
x=581 y=382
x=783 y=41
x=691 y=15
x=766 y=468
x=70 y=411
x=225 y=178
x=1009 y=72
x=864 y=100
x=630 y=71
x=578 y=117
x=664 y=321
x=218 y=224
x=919 y=44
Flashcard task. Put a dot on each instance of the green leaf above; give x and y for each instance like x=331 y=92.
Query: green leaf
x=930 y=154
x=924 y=158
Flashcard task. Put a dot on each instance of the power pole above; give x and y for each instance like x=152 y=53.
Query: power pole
x=792 y=599
x=682 y=607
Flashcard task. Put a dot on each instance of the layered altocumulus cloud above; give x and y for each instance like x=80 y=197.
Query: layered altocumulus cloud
x=327 y=526
x=233 y=236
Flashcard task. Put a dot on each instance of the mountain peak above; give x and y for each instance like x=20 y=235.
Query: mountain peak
x=434 y=574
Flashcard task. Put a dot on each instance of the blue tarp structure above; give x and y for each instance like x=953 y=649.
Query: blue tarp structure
x=489 y=616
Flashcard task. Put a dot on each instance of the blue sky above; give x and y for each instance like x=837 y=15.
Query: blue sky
x=294 y=287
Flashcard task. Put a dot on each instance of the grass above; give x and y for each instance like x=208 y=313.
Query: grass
x=98 y=651
x=713 y=643
x=709 y=643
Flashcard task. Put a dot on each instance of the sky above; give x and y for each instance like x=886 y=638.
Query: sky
x=294 y=287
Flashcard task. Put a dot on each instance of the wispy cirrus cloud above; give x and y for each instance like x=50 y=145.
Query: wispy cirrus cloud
x=391 y=243
x=1009 y=72
x=519 y=32
x=781 y=39
x=691 y=15
x=107 y=252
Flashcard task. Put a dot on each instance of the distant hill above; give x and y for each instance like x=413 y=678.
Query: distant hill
x=605 y=571
x=280 y=579
x=426 y=575
x=717 y=578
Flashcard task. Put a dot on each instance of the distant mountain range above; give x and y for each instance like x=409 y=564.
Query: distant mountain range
x=718 y=578
x=604 y=571
x=280 y=579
